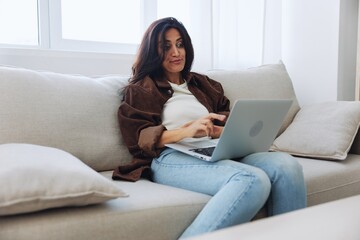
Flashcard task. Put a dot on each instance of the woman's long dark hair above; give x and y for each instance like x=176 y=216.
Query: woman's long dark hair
x=148 y=61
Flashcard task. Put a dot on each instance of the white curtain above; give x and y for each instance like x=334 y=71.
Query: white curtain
x=234 y=34
x=238 y=33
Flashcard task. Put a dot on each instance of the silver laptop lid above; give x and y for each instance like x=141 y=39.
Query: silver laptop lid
x=251 y=127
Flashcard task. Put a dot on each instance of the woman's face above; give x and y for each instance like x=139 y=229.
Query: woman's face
x=174 y=56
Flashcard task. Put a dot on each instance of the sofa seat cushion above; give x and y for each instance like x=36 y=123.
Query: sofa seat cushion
x=328 y=180
x=331 y=180
x=162 y=212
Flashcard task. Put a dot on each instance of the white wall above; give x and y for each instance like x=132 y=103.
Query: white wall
x=310 y=47
x=319 y=48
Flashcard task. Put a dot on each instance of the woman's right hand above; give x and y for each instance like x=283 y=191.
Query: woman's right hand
x=201 y=127
x=204 y=126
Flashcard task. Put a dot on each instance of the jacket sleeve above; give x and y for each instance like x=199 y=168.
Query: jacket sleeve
x=140 y=122
x=221 y=103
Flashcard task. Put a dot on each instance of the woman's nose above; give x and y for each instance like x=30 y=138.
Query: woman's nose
x=174 y=51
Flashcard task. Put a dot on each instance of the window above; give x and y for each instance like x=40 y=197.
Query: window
x=97 y=25
x=225 y=34
x=19 y=25
x=82 y=25
x=102 y=20
x=108 y=25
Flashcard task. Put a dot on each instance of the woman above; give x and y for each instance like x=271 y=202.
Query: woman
x=164 y=103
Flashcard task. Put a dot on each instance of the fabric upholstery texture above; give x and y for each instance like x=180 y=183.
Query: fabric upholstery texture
x=331 y=180
x=152 y=211
x=71 y=112
x=323 y=130
x=36 y=178
x=269 y=81
x=331 y=221
x=154 y=206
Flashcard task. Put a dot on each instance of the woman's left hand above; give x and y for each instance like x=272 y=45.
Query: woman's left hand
x=217 y=130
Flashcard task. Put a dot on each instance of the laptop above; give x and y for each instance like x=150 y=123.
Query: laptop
x=251 y=127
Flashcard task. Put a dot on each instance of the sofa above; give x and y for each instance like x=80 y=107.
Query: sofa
x=60 y=142
x=316 y=222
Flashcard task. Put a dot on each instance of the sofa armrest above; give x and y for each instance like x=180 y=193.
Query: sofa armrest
x=332 y=221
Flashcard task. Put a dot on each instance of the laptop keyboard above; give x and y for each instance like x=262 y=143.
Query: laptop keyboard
x=208 y=151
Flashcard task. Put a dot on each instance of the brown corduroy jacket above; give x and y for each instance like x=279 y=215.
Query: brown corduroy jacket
x=140 y=118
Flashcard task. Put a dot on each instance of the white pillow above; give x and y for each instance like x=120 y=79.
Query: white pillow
x=323 y=130
x=35 y=178
x=75 y=113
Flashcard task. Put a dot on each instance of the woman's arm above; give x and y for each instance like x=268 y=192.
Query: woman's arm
x=139 y=117
x=199 y=128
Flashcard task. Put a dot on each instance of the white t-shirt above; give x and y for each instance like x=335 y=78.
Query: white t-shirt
x=181 y=108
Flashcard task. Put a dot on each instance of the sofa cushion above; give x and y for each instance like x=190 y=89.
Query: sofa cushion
x=161 y=212
x=35 y=178
x=331 y=180
x=322 y=130
x=74 y=113
x=264 y=82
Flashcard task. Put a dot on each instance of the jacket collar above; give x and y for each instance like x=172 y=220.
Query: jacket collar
x=162 y=83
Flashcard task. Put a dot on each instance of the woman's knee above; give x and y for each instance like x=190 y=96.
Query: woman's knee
x=284 y=166
x=287 y=163
x=258 y=182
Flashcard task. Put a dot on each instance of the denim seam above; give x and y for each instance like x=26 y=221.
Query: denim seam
x=241 y=195
x=183 y=165
x=232 y=207
x=197 y=165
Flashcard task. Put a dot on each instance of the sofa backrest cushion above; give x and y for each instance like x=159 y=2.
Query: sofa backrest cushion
x=269 y=81
x=77 y=114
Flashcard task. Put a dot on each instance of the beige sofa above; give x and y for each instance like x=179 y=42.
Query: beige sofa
x=333 y=220
x=60 y=141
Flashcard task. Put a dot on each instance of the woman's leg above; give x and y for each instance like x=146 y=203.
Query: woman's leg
x=288 y=190
x=239 y=191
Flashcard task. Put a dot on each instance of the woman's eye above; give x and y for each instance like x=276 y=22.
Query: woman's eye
x=179 y=45
x=167 y=47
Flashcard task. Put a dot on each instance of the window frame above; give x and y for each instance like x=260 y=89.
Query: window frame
x=50 y=35
x=56 y=42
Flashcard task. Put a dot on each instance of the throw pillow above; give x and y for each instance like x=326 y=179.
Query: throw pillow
x=36 y=178
x=323 y=130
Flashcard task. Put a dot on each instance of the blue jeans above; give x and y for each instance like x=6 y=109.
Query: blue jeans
x=239 y=188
